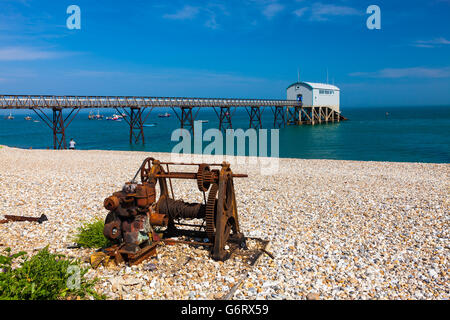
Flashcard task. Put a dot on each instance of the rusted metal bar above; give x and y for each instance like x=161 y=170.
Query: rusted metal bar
x=190 y=175
x=39 y=220
x=189 y=164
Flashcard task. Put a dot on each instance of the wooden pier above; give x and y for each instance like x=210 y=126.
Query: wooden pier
x=300 y=115
x=138 y=109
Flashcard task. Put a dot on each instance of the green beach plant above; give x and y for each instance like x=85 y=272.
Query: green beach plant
x=90 y=235
x=45 y=276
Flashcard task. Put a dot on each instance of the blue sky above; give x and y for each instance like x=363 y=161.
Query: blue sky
x=237 y=48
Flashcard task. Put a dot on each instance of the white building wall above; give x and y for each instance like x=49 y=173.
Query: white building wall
x=326 y=100
x=315 y=94
x=307 y=94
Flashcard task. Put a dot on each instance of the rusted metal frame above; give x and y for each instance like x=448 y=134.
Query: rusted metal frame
x=58 y=129
x=136 y=124
x=132 y=122
x=186 y=117
x=191 y=175
x=278 y=112
x=140 y=126
x=225 y=118
x=190 y=164
x=255 y=112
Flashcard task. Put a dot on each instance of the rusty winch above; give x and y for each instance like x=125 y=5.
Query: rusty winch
x=137 y=221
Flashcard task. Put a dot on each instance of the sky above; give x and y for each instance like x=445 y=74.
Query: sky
x=235 y=48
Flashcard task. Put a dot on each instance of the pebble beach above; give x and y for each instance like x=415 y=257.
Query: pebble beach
x=337 y=229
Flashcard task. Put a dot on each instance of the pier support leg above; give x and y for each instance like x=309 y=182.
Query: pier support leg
x=320 y=115
x=255 y=117
x=293 y=115
x=186 y=118
x=224 y=118
x=279 y=120
x=58 y=124
x=313 y=115
x=59 y=132
x=136 y=125
x=136 y=122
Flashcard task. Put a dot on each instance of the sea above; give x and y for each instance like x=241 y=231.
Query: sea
x=397 y=134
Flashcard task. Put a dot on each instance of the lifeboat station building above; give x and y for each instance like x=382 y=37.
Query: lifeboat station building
x=320 y=103
x=315 y=94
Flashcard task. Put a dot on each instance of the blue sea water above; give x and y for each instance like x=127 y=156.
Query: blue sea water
x=408 y=134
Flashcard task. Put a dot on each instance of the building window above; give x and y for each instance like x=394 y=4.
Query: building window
x=326 y=92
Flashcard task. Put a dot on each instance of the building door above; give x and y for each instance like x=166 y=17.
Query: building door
x=299 y=97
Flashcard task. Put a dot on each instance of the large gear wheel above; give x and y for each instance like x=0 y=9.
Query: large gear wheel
x=204 y=177
x=211 y=211
x=146 y=169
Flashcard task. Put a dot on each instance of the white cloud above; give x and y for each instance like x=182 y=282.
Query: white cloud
x=437 y=42
x=414 y=72
x=300 y=12
x=28 y=54
x=272 y=10
x=188 y=12
x=322 y=12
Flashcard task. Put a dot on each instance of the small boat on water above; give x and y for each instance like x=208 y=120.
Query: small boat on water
x=10 y=117
x=115 y=117
x=164 y=115
x=97 y=116
x=28 y=118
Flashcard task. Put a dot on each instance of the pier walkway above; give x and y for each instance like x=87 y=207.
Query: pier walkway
x=137 y=110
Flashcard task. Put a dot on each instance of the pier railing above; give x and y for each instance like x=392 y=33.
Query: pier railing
x=136 y=110
x=43 y=101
